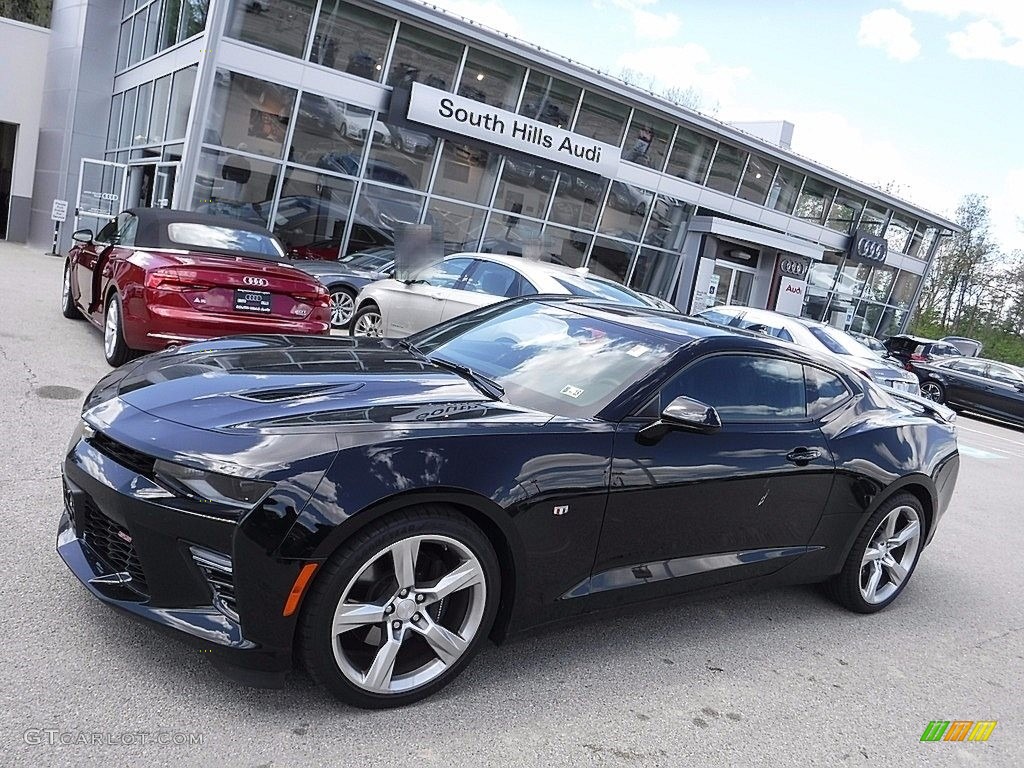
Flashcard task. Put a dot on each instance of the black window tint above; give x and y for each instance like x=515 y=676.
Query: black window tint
x=106 y=234
x=967 y=366
x=824 y=391
x=743 y=387
x=494 y=279
x=785 y=335
x=1001 y=373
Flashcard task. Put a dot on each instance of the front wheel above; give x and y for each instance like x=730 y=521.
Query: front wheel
x=67 y=300
x=343 y=304
x=398 y=612
x=368 y=322
x=883 y=558
x=933 y=391
x=115 y=348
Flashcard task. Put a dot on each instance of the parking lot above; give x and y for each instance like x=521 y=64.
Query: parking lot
x=779 y=677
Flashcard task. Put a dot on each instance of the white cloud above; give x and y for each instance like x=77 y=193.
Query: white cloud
x=891 y=31
x=994 y=29
x=984 y=40
x=490 y=13
x=647 y=23
x=686 y=66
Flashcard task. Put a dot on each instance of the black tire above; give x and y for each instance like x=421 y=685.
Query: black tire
x=317 y=638
x=67 y=301
x=845 y=587
x=341 y=289
x=939 y=391
x=366 y=309
x=118 y=353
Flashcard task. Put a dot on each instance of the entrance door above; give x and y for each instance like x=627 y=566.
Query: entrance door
x=151 y=185
x=8 y=139
x=101 y=189
x=734 y=285
x=163 y=185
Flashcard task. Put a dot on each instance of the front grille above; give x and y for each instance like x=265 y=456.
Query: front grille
x=219 y=572
x=122 y=454
x=111 y=543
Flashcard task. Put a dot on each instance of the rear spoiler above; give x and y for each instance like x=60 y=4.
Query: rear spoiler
x=937 y=411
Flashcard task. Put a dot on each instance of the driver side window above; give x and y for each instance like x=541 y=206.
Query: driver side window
x=119 y=230
x=445 y=274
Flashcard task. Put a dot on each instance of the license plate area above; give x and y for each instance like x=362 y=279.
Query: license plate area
x=254 y=302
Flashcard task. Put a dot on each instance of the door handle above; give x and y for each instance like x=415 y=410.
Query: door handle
x=803 y=456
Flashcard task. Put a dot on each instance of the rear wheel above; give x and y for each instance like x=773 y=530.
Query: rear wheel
x=368 y=322
x=400 y=610
x=67 y=301
x=343 y=304
x=883 y=558
x=933 y=391
x=115 y=348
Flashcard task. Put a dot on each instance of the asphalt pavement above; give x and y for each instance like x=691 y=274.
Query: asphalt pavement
x=776 y=677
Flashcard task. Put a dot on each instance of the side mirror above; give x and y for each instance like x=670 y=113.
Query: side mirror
x=681 y=413
x=82 y=236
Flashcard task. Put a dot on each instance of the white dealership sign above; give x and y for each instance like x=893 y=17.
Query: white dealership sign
x=477 y=120
x=791 y=296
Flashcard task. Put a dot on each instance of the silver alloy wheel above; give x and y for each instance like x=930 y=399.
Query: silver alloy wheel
x=342 y=306
x=411 y=615
x=369 y=324
x=65 y=291
x=110 y=328
x=890 y=554
x=932 y=391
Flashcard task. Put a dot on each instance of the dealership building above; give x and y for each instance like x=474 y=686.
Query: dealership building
x=337 y=124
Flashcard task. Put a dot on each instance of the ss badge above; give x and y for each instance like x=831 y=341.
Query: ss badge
x=561 y=510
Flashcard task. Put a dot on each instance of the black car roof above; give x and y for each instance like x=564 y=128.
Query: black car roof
x=152 y=229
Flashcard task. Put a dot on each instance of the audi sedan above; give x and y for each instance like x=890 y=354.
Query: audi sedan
x=987 y=387
x=378 y=508
x=153 y=277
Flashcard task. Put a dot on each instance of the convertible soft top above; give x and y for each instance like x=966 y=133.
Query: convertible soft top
x=152 y=229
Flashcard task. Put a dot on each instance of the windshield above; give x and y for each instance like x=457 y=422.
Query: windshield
x=839 y=342
x=595 y=288
x=225 y=239
x=548 y=358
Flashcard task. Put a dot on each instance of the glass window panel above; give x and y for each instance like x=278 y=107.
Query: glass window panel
x=143 y=108
x=181 y=102
x=611 y=259
x=691 y=154
x=852 y=278
x=460 y=224
x=127 y=117
x=785 y=189
x=466 y=172
x=152 y=29
x=232 y=185
x=169 y=23
x=921 y=241
x=114 y=124
x=891 y=322
x=378 y=210
x=625 y=211
x=578 y=199
x=549 y=99
x=491 y=80
x=744 y=387
x=667 y=226
x=655 y=272
x=281 y=26
x=904 y=289
x=138 y=38
x=757 y=179
x=249 y=114
x=898 y=233
x=820 y=279
x=814 y=201
x=513 y=235
x=601 y=118
x=124 y=45
x=312 y=213
x=351 y=39
x=330 y=134
x=865 y=318
x=879 y=283
x=128 y=7
x=423 y=57
x=845 y=212
x=873 y=220
x=565 y=246
x=172 y=152
x=647 y=141
x=193 y=18
x=525 y=187
x=158 y=115
x=407 y=156
x=726 y=168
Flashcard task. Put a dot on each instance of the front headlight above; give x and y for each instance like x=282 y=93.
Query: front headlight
x=211 y=486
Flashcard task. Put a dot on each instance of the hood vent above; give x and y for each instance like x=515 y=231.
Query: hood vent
x=284 y=394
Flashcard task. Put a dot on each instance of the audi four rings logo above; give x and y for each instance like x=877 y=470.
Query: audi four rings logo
x=791 y=267
x=872 y=249
x=260 y=281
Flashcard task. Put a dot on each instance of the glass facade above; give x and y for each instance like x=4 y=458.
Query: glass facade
x=153 y=26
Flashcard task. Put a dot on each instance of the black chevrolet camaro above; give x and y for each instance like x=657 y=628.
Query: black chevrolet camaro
x=375 y=509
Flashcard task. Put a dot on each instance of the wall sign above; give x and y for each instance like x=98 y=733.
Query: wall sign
x=790 y=300
x=457 y=114
x=865 y=247
x=794 y=266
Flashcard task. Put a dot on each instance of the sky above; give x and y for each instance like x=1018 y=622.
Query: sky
x=926 y=94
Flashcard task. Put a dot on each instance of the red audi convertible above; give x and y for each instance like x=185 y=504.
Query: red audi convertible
x=153 y=277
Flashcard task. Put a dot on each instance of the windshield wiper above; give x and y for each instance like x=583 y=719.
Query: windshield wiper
x=489 y=387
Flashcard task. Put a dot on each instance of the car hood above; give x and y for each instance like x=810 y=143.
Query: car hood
x=305 y=383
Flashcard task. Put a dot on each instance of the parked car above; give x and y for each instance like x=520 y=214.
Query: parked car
x=377 y=509
x=967 y=347
x=914 y=349
x=983 y=386
x=465 y=281
x=154 y=277
x=818 y=336
x=346 y=277
x=871 y=343
x=411 y=142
